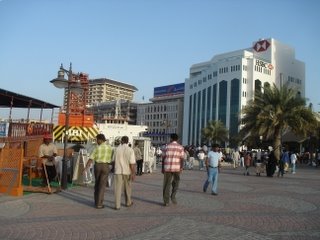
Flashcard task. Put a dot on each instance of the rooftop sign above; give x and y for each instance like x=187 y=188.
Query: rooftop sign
x=169 y=90
x=261 y=46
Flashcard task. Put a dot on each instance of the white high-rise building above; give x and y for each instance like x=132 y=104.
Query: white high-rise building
x=218 y=89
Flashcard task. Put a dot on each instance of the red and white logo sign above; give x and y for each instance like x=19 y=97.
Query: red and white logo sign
x=261 y=46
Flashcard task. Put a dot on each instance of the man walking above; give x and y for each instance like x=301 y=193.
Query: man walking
x=247 y=163
x=213 y=164
x=124 y=173
x=138 y=157
x=101 y=155
x=172 y=165
x=235 y=158
x=293 y=159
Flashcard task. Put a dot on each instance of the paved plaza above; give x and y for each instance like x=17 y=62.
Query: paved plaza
x=247 y=207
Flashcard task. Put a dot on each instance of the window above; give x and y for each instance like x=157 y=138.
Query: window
x=234 y=106
x=222 y=114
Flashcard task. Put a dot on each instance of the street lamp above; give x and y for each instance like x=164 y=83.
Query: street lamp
x=71 y=86
x=166 y=124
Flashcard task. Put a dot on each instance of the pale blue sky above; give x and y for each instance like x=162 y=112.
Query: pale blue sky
x=146 y=43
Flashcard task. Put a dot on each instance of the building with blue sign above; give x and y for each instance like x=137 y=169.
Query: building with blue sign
x=164 y=114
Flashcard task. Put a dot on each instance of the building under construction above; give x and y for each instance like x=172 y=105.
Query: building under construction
x=117 y=111
x=81 y=120
x=101 y=101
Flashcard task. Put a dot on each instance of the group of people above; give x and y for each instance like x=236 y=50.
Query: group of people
x=173 y=161
x=192 y=154
x=266 y=162
x=124 y=161
x=127 y=163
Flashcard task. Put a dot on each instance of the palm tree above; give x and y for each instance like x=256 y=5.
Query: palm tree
x=275 y=111
x=215 y=132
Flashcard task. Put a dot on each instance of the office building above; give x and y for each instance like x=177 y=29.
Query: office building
x=219 y=88
x=104 y=90
x=164 y=114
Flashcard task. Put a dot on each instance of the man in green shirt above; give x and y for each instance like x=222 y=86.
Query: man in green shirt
x=102 y=156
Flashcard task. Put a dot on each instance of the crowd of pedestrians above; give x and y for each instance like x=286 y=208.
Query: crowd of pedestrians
x=256 y=162
x=128 y=162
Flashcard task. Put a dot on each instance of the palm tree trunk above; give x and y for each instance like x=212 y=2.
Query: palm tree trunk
x=277 y=144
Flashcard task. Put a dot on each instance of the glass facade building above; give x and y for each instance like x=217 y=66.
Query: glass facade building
x=219 y=88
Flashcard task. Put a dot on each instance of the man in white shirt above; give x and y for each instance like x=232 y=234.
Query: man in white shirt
x=48 y=151
x=124 y=173
x=201 y=157
x=213 y=164
x=235 y=158
x=293 y=159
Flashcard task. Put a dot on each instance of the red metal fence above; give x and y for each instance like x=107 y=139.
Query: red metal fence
x=22 y=142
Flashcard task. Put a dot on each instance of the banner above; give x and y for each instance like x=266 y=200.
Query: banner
x=4 y=127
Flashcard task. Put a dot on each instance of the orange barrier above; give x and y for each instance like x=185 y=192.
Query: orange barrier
x=14 y=156
x=11 y=161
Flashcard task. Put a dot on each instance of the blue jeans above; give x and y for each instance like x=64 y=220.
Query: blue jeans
x=201 y=164
x=213 y=179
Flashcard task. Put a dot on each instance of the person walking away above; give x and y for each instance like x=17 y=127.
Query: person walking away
x=235 y=158
x=138 y=157
x=201 y=157
x=151 y=161
x=101 y=156
x=186 y=158
x=212 y=164
x=258 y=163
x=124 y=172
x=172 y=165
x=286 y=159
x=281 y=167
x=48 y=151
x=222 y=155
x=158 y=155
x=293 y=159
x=271 y=164
x=192 y=153
x=247 y=163
x=242 y=159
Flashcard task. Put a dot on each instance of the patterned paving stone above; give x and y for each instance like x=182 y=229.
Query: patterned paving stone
x=247 y=207
x=298 y=206
x=12 y=209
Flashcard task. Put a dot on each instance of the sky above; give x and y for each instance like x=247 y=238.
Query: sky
x=145 y=43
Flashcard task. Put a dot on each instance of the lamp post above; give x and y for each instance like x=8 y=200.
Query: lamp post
x=166 y=124
x=71 y=86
